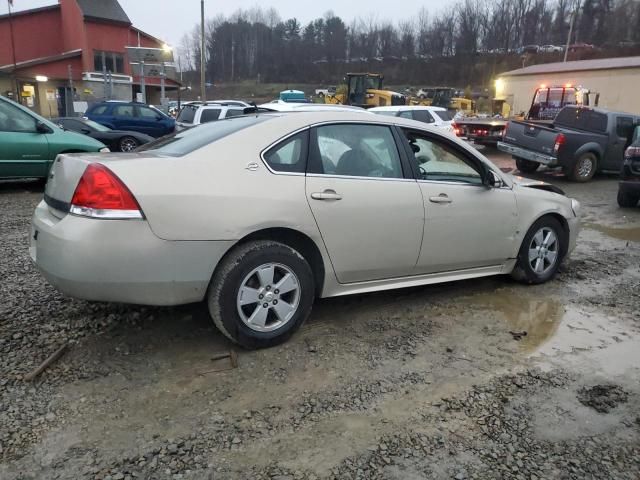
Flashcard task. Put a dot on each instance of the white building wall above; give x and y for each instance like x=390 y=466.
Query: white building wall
x=618 y=88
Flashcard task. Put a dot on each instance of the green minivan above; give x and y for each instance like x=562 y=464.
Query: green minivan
x=29 y=143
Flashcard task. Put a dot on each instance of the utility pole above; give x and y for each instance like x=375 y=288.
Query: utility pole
x=16 y=90
x=203 y=92
x=71 y=97
x=143 y=86
x=573 y=19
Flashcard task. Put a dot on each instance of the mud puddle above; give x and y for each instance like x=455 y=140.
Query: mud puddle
x=554 y=334
x=628 y=234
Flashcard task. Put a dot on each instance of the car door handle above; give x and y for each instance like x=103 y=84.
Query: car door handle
x=442 y=198
x=326 y=195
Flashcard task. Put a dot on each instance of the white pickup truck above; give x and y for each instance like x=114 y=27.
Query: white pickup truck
x=321 y=92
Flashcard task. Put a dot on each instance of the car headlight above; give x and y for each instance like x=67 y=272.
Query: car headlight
x=575 y=206
x=104 y=150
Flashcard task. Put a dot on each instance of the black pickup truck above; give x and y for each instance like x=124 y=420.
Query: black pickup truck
x=581 y=140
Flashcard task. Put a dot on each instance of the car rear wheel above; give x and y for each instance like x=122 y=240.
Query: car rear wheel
x=128 y=144
x=584 y=169
x=541 y=253
x=261 y=293
x=526 y=166
x=627 y=200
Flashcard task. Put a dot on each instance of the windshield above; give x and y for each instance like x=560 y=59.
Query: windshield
x=187 y=141
x=187 y=114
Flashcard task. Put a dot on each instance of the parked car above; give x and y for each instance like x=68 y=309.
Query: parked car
x=551 y=49
x=116 y=140
x=280 y=106
x=258 y=215
x=582 y=140
x=530 y=49
x=30 y=143
x=197 y=113
x=435 y=116
x=131 y=116
x=629 y=186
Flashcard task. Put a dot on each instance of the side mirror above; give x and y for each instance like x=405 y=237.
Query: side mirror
x=492 y=180
x=42 y=128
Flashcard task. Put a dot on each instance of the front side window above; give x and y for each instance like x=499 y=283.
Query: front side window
x=437 y=161
x=209 y=115
x=356 y=151
x=290 y=155
x=624 y=127
x=234 y=112
x=187 y=114
x=406 y=114
x=12 y=119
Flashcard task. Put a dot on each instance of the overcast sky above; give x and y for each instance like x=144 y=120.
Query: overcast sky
x=170 y=19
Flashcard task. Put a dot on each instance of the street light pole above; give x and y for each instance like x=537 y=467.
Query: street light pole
x=203 y=93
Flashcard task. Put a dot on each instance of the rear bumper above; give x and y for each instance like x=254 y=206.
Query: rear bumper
x=528 y=154
x=120 y=260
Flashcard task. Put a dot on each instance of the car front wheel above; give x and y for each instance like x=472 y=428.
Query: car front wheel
x=584 y=169
x=541 y=252
x=261 y=293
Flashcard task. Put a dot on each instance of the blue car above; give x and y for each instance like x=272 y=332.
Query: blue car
x=132 y=116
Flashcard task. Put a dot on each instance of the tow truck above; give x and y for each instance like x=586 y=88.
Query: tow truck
x=546 y=103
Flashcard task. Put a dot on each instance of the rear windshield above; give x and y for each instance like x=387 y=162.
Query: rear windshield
x=582 y=119
x=445 y=115
x=187 y=114
x=187 y=141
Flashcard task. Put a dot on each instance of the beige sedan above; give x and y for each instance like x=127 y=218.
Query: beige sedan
x=260 y=214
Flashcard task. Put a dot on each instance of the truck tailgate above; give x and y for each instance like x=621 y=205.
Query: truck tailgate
x=530 y=136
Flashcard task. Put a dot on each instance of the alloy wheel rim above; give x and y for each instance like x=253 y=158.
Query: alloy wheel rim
x=128 y=145
x=268 y=297
x=543 y=250
x=585 y=167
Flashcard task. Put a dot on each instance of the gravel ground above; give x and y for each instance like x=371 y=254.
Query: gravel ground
x=473 y=380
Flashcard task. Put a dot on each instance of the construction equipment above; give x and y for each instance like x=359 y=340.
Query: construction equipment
x=452 y=99
x=365 y=90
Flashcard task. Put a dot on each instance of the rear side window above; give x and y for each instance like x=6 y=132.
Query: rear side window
x=582 y=119
x=423 y=116
x=234 y=112
x=99 y=110
x=406 y=114
x=290 y=155
x=123 y=111
x=209 y=115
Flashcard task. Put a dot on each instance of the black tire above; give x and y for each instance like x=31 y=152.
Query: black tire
x=524 y=271
x=223 y=292
x=578 y=172
x=526 y=166
x=627 y=200
x=128 y=144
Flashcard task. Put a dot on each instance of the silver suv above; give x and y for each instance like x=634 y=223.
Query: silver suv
x=196 y=113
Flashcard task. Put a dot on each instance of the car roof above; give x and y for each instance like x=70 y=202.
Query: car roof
x=310 y=107
x=397 y=108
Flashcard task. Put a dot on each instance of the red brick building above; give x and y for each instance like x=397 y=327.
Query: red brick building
x=45 y=50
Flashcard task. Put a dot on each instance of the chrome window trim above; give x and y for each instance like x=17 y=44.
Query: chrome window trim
x=383 y=179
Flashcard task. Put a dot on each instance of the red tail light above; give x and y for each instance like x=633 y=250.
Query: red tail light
x=560 y=140
x=101 y=194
